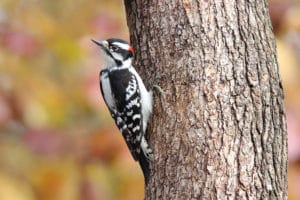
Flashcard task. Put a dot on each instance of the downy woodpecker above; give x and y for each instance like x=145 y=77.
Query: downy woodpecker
x=127 y=98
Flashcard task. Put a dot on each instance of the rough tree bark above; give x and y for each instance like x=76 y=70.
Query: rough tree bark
x=220 y=132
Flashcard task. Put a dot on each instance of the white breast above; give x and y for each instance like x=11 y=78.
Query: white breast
x=106 y=89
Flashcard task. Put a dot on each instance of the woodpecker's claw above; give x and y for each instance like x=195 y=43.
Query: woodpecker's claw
x=156 y=87
x=160 y=91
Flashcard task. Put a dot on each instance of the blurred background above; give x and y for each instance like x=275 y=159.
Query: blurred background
x=57 y=140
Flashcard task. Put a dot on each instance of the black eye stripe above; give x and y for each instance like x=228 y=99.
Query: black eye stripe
x=114 y=48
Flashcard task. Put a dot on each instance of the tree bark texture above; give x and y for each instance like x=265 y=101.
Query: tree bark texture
x=220 y=130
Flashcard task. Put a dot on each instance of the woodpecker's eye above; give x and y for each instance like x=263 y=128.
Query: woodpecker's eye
x=114 y=48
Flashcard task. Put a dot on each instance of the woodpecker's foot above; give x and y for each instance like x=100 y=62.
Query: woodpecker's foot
x=156 y=87
x=161 y=93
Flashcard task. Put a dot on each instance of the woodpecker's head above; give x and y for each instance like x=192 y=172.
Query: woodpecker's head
x=116 y=52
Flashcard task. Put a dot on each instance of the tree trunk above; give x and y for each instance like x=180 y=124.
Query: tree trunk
x=220 y=130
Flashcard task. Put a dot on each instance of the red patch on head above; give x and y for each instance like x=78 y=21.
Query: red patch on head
x=130 y=49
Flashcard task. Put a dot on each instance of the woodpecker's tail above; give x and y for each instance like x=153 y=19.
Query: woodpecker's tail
x=144 y=163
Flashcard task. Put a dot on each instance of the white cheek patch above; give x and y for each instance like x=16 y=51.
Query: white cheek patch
x=121 y=45
x=117 y=56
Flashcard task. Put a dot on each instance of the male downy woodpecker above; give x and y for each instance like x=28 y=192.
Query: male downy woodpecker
x=127 y=98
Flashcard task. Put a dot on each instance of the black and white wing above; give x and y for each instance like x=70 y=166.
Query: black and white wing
x=127 y=109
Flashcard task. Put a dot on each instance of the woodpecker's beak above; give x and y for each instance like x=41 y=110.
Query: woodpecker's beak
x=102 y=43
